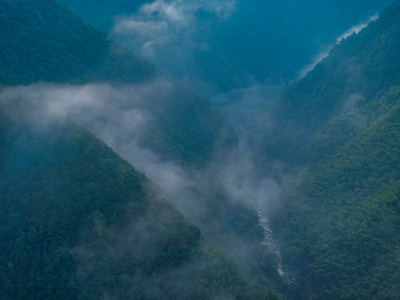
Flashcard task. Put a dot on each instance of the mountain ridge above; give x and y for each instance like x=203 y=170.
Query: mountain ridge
x=338 y=220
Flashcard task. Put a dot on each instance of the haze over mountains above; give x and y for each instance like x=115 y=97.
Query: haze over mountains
x=225 y=44
x=215 y=160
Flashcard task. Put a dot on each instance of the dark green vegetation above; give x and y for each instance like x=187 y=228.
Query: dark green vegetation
x=315 y=110
x=261 y=40
x=339 y=222
x=42 y=41
x=76 y=220
x=195 y=142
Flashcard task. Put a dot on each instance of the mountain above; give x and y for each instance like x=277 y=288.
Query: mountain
x=223 y=45
x=43 y=41
x=338 y=220
x=77 y=220
x=357 y=70
x=58 y=182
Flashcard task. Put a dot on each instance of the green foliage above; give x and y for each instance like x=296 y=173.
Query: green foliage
x=78 y=223
x=339 y=221
x=208 y=273
x=55 y=182
x=357 y=70
x=187 y=129
x=343 y=217
x=41 y=41
x=245 y=221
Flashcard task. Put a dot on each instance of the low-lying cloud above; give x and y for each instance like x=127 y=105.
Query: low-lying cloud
x=356 y=29
x=120 y=115
x=169 y=32
x=325 y=53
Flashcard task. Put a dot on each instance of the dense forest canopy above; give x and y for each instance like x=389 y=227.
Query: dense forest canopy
x=360 y=68
x=42 y=41
x=338 y=222
x=172 y=149
x=78 y=221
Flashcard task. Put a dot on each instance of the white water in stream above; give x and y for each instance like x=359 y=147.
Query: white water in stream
x=270 y=242
x=242 y=107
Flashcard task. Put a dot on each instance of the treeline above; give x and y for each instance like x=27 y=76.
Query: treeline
x=77 y=221
x=339 y=219
x=40 y=40
x=356 y=71
x=259 y=42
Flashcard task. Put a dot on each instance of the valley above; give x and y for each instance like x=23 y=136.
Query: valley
x=210 y=150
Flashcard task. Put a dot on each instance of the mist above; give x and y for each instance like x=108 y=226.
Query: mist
x=117 y=115
x=213 y=164
x=120 y=117
x=325 y=52
x=356 y=29
x=205 y=196
x=164 y=31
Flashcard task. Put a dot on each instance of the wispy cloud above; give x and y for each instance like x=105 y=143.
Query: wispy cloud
x=356 y=29
x=325 y=53
x=119 y=116
x=168 y=32
x=316 y=60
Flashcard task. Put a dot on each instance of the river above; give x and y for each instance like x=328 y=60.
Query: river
x=243 y=107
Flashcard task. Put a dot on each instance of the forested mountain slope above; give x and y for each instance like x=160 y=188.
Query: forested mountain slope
x=58 y=180
x=42 y=41
x=357 y=70
x=338 y=222
x=77 y=221
x=226 y=44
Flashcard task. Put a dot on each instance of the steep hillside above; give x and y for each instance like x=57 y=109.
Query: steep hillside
x=59 y=183
x=77 y=221
x=356 y=71
x=187 y=128
x=40 y=40
x=227 y=44
x=338 y=222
